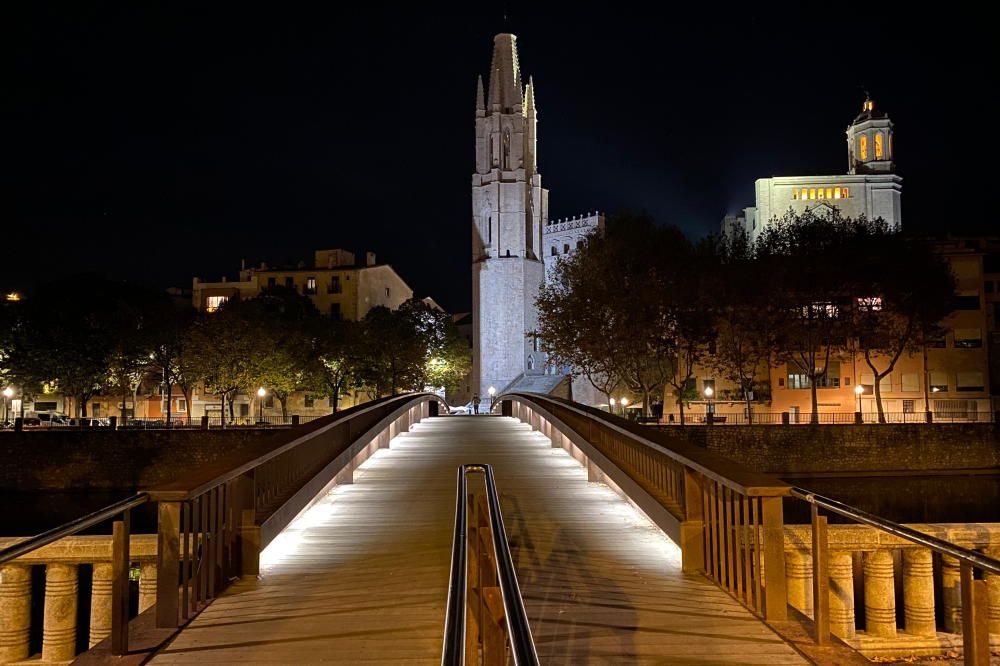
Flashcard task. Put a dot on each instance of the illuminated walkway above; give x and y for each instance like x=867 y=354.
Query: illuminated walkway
x=362 y=577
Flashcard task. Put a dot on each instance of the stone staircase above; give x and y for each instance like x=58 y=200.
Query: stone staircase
x=544 y=384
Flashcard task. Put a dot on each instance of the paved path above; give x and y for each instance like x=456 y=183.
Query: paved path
x=362 y=577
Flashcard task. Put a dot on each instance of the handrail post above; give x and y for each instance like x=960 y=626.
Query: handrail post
x=692 y=529
x=120 y=562
x=775 y=603
x=168 y=533
x=975 y=619
x=821 y=578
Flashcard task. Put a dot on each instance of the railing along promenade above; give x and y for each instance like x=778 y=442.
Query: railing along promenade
x=822 y=418
x=211 y=526
x=729 y=524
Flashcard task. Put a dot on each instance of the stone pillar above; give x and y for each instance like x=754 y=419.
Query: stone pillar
x=993 y=585
x=798 y=580
x=147 y=585
x=841 y=593
x=59 y=628
x=951 y=594
x=15 y=612
x=880 y=594
x=918 y=592
x=100 y=603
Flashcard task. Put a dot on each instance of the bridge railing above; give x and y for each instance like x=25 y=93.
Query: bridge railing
x=729 y=524
x=211 y=527
x=485 y=614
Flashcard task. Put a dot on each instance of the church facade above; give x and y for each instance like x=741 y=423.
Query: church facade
x=513 y=242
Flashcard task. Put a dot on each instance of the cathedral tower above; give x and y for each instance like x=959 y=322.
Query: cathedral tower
x=509 y=210
x=869 y=141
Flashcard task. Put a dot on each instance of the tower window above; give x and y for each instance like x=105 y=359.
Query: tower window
x=878 y=146
x=506 y=150
x=566 y=248
x=863 y=148
x=555 y=252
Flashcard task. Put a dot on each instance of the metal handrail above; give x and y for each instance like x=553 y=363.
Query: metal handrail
x=977 y=560
x=72 y=527
x=522 y=645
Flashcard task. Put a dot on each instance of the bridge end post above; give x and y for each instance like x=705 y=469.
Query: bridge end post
x=168 y=546
x=693 y=526
x=775 y=599
x=506 y=408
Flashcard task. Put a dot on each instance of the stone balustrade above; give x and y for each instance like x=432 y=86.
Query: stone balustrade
x=61 y=561
x=890 y=597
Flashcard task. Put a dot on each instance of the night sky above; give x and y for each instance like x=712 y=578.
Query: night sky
x=165 y=141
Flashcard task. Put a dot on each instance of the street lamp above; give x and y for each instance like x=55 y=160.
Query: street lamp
x=492 y=391
x=710 y=408
x=260 y=404
x=858 y=391
x=624 y=404
x=611 y=405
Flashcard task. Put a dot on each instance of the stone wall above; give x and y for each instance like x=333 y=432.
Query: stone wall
x=116 y=460
x=806 y=449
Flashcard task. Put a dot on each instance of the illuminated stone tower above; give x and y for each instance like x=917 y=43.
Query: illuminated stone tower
x=869 y=142
x=509 y=211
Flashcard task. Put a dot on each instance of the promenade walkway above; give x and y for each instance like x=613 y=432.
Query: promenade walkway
x=361 y=578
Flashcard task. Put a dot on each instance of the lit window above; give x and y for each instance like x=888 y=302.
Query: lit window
x=829 y=193
x=843 y=193
x=213 y=303
x=310 y=285
x=836 y=193
x=795 y=194
x=878 y=146
x=819 y=195
x=798 y=381
x=812 y=193
x=863 y=147
x=870 y=304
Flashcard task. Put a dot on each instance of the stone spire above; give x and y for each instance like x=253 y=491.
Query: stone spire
x=505 y=74
x=480 y=97
x=529 y=97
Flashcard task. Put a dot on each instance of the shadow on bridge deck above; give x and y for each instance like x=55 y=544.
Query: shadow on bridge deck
x=362 y=576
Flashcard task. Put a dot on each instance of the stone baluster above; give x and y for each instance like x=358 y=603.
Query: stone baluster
x=993 y=585
x=880 y=594
x=798 y=580
x=100 y=603
x=15 y=612
x=918 y=592
x=841 y=593
x=59 y=628
x=951 y=594
x=147 y=585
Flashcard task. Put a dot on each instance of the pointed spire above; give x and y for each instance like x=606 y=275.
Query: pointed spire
x=505 y=74
x=480 y=97
x=529 y=98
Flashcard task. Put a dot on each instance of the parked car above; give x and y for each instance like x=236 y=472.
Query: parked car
x=52 y=419
x=88 y=422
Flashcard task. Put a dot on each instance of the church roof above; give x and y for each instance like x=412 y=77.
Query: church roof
x=868 y=112
x=505 y=74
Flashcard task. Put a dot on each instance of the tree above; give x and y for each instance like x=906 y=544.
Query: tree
x=335 y=344
x=745 y=314
x=903 y=291
x=167 y=358
x=395 y=346
x=450 y=359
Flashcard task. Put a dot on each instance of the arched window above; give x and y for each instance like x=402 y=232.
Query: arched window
x=579 y=245
x=531 y=362
x=863 y=148
x=566 y=248
x=878 y=146
x=555 y=252
x=506 y=149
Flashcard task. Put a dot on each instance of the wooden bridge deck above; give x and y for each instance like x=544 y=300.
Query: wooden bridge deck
x=362 y=576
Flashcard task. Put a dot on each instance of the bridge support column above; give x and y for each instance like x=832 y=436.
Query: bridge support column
x=168 y=551
x=951 y=594
x=993 y=589
x=59 y=628
x=798 y=580
x=841 y=566
x=918 y=592
x=15 y=612
x=147 y=586
x=880 y=594
x=100 y=602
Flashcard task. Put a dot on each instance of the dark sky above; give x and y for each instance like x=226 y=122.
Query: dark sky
x=164 y=141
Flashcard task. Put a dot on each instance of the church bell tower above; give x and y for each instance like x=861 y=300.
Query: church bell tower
x=509 y=210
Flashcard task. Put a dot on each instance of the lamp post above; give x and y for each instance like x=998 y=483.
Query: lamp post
x=624 y=404
x=611 y=405
x=710 y=408
x=260 y=404
x=8 y=393
x=492 y=391
x=859 y=391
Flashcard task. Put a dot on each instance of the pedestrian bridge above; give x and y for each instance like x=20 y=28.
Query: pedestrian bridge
x=340 y=546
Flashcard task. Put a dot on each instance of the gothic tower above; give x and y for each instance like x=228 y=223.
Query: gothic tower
x=509 y=210
x=869 y=142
